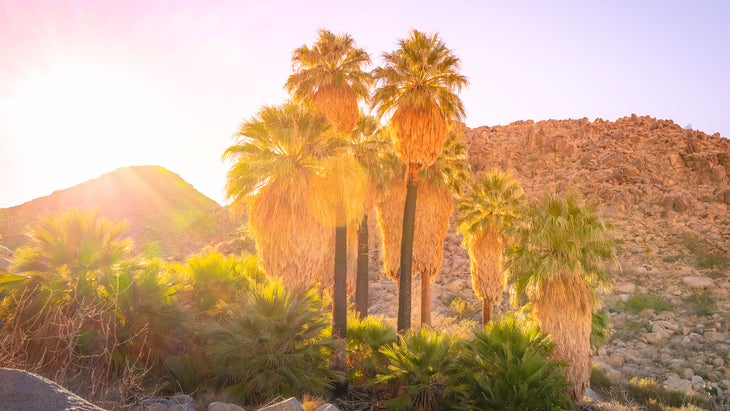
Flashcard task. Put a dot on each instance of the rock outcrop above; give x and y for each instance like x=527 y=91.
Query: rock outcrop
x=22 y=391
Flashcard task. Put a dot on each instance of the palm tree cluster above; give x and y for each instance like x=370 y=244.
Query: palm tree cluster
x=308 y=173
x=318 y=162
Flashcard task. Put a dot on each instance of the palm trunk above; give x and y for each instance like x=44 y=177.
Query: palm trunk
x=486 y=311
x=339 y=311
x=425 y=299
x=406 y=256
x=361 y=283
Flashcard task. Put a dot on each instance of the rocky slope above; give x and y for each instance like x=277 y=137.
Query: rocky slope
x=666 y=192
x=160 y=207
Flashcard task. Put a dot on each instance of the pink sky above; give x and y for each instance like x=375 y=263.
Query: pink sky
x=88 y=86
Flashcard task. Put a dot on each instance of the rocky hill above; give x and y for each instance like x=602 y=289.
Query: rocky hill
x=160 y=206
x=666 y=192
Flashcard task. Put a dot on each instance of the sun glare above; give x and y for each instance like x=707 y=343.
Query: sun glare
x=92 y=117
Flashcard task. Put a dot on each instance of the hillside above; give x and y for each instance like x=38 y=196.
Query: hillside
x=160 y=206
x=666 y=192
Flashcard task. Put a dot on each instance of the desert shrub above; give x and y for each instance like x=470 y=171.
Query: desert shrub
x=365 y=338
x=123 y=324
x=599 y=379
x=702 y=258
x=465 y=310
x=215 y=277
x=509 y=369
x=706 y=260
x=701 y=302
x=640 y=302
x=648 y=392
x=270 y=342
x=423 y=369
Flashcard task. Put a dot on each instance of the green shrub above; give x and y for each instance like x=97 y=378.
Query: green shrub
x=640 y=302
x=599 y=379
x=508 y=368
x=465 y=310
x=271 y=342
x=365 y=338
x=701 y=302
x=648 y=392
x=707 y=260
x=423 y=369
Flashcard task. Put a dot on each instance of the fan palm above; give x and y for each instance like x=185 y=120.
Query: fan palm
x=78 y=240
x=486 y=218
x=277 y=154
x=330 y=77
x=558 y=263
x=417 y=86
x=446 y=178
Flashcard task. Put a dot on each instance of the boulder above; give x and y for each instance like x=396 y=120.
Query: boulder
x=22 y=390
x=289 y=404
x=678 y=384
x=697 y=282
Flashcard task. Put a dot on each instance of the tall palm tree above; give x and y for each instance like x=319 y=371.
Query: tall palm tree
x=418 y=86
x=486 y=219
x=330 y=78
x=277 y=154
x=439 y=184
x=558 y=263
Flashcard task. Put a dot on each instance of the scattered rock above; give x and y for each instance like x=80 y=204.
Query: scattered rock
x=697 y=282
x=290 y=404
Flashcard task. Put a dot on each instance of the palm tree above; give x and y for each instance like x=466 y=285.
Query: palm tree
x=439 y=184
x=77 y=239
x=278 y=153
x=76 y=242
x=329 y=76
x=372 y=147
x=417 y=86
x=486 y=218
x=558 y=263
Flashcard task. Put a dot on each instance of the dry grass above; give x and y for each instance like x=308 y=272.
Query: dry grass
x=47 y=342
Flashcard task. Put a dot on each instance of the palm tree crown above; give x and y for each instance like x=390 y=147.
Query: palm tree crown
x=417 y=85
x=278 y=154
x=494 y=205
x=76 y=239
x=278 y=147
x=330 y=76
x=563 y=239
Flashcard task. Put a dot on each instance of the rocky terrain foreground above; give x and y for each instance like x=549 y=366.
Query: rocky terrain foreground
x=666 y=192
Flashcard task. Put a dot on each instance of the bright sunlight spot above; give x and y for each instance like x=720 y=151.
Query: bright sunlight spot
x=92 y=115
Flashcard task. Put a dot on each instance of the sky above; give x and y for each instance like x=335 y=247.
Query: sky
x=88 y=86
